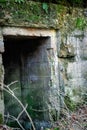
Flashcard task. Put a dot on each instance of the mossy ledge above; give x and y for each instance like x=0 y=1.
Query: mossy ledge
x=33 y=14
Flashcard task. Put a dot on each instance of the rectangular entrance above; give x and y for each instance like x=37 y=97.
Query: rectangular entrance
x=25 y=60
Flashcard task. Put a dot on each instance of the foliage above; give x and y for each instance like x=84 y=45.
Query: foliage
x=66 y=2
x=45 y=7
x=56 y=128
x=80 y=23
x=19 y=1
x=11 y=92
x=69 y=103
x=2 y=1
x=77 y=1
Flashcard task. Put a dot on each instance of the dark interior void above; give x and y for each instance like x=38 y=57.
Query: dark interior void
x=26 y=60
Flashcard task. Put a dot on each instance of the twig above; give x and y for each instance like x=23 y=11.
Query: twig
x=7 y=89
x=15 y=119
x=21 y=112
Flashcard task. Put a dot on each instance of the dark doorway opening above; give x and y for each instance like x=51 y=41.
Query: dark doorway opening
x=25 y=60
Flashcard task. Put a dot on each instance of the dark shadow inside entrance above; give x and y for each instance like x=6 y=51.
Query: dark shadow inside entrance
x=26 y=60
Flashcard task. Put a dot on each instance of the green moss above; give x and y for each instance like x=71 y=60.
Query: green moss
x=80 y=23
x=1 y=119
x=28 y=13
x=61 y=9
x=42 y=15
x=70 y=104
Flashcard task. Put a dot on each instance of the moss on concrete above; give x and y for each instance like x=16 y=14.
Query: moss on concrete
x=66 y=51
x=42 y=15
x=1 y=119
x=27 y=14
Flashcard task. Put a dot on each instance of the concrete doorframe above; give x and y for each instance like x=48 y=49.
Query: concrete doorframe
x=32 y=32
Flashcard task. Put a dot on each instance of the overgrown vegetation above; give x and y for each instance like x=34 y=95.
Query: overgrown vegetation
x=64 y=2
x=50 y=15
x=43 y=14
x=71 y=117
x=80 y=23
x=71 y=105
x=11 y=117
x=19 y=1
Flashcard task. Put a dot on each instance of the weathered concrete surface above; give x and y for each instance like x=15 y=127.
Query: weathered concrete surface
x=1 y=75
x=73 y=72
x=57 y=63
x=1 y=42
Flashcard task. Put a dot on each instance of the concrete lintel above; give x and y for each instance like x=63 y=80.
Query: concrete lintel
x=16 y=31
x=31 y=32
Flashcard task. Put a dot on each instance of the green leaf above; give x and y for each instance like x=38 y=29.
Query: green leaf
x=19 y=1
x=45 y=7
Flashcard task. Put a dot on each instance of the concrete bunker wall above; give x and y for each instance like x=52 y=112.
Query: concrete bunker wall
x=31 y=58
x=66 y=57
